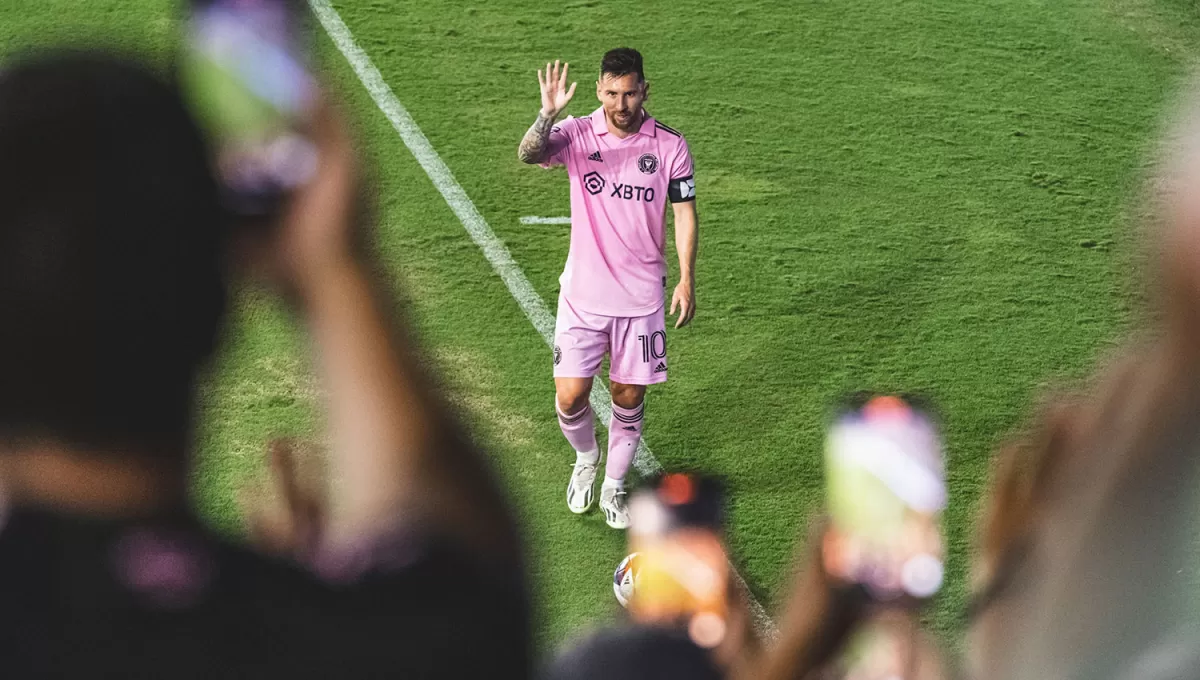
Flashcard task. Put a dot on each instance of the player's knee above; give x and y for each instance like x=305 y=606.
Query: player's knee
x=628 y=396
x=572 y=402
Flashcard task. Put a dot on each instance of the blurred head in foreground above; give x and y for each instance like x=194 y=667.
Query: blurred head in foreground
x=1085 y=556
x=633 y=653
x=110 y=233
x=111 y=295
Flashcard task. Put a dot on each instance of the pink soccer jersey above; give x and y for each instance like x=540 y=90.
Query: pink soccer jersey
x=619 y=190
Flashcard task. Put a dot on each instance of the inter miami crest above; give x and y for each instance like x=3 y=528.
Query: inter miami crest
x=648 y=163
x=557 y=355
x=593 y=182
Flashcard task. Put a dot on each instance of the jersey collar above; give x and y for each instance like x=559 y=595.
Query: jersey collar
x=600 y=126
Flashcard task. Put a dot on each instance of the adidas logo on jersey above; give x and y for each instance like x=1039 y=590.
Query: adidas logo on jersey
x=660 y=368
x=596 y=157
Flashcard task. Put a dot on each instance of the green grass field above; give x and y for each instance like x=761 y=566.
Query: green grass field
x=917 y=195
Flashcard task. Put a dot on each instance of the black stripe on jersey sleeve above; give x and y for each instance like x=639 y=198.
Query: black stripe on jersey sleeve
x=682 y=190
x=664 y=128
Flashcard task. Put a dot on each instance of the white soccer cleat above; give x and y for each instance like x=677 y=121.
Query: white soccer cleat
x=616 y=511
x=579 y=490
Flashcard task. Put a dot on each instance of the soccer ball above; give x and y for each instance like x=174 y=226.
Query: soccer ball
x=625 y=579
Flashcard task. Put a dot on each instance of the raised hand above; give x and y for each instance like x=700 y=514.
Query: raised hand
x=292 y=524
x=555 y=94
x=316 y=230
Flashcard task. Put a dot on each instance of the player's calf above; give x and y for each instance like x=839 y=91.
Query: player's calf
x=624 y=436
x=578 y=425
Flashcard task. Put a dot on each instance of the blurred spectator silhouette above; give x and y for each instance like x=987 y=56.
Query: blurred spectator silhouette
x=114 y=281
x=1086 y=551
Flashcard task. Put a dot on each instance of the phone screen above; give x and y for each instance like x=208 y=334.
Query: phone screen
x=886 y=491
x=244 y=69
x=683 y=570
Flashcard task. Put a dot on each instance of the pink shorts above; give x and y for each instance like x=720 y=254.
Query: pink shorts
x=637 y=346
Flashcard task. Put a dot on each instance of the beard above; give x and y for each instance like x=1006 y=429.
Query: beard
x=628 y=122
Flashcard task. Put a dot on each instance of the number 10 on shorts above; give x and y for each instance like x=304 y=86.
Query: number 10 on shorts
x=654 y=346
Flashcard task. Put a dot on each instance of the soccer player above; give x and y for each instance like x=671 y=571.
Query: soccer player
x=624 y=166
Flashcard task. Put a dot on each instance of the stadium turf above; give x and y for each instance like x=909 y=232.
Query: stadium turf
x=924 y=195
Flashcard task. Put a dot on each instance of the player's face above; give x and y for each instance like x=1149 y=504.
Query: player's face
x=622 y=97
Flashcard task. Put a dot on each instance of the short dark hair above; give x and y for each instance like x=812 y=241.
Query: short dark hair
x=621 y=62
x=111 y=244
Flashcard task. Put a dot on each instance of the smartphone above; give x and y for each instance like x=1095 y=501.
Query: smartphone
x=885 y=490
x=676 y=530
x=245 y=70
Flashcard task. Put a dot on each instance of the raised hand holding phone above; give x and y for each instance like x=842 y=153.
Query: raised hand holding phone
x=683 y=571
x=245 y=68
x=885 y=490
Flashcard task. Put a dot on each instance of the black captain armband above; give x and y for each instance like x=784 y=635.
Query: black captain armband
x=682 y=190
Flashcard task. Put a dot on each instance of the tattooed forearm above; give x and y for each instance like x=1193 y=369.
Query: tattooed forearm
x=533 y=145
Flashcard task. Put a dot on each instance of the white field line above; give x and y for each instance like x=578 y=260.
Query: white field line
x=493 y=248
x=545 y=220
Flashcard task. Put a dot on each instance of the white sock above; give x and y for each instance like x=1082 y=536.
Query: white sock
x=587 y=457
x=610 y=483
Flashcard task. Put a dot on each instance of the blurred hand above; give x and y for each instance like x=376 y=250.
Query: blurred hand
x=294 y=525
x=315 y=233
x=820 y=615
x=741 y=652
